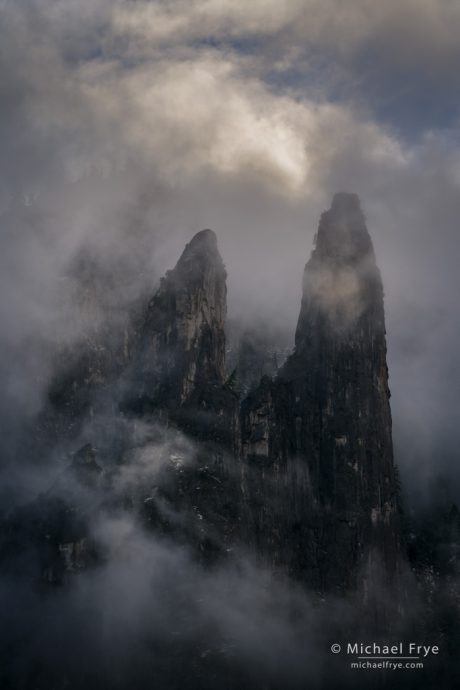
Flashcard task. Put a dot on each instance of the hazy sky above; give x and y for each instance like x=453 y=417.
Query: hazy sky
x=126 y=126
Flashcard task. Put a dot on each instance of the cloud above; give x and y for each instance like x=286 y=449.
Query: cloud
x=145 y=610
x=151 y=614
x=128 y=126
x=204 y=115
x=406 y=33
x=181 y=114
x=397 y=59
x=328 y=22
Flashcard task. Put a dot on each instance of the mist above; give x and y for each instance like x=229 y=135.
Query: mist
x=127 y=127
x=119 y=146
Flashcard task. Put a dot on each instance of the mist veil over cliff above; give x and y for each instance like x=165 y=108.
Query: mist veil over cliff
x=228 y=356
x=190 y=527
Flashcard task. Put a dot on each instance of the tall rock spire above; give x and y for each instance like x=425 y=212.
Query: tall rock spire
x=322 y=429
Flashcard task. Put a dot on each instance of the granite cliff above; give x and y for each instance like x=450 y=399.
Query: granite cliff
x=321 y=489
x=301 y=469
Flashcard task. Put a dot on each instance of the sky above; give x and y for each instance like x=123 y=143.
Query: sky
x=127 y=126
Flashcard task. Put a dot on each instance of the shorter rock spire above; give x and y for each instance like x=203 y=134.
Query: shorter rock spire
x=183 y=338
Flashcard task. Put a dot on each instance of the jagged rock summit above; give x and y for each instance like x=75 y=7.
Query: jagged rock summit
x=183 y=338
x=317 y=439
x=341 y=280
x=179 y=364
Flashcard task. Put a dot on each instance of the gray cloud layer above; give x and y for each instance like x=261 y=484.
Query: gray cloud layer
x=128 y=126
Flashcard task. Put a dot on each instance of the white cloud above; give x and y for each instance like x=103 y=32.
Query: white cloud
x=184 y=118
x=185 y=110
x=406 y=30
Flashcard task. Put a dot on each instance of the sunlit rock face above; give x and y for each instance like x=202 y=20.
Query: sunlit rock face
x=179 y=366
x=317 y=441
x=183 y=336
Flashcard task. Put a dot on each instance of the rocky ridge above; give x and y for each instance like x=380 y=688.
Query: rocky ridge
x=301 y=470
